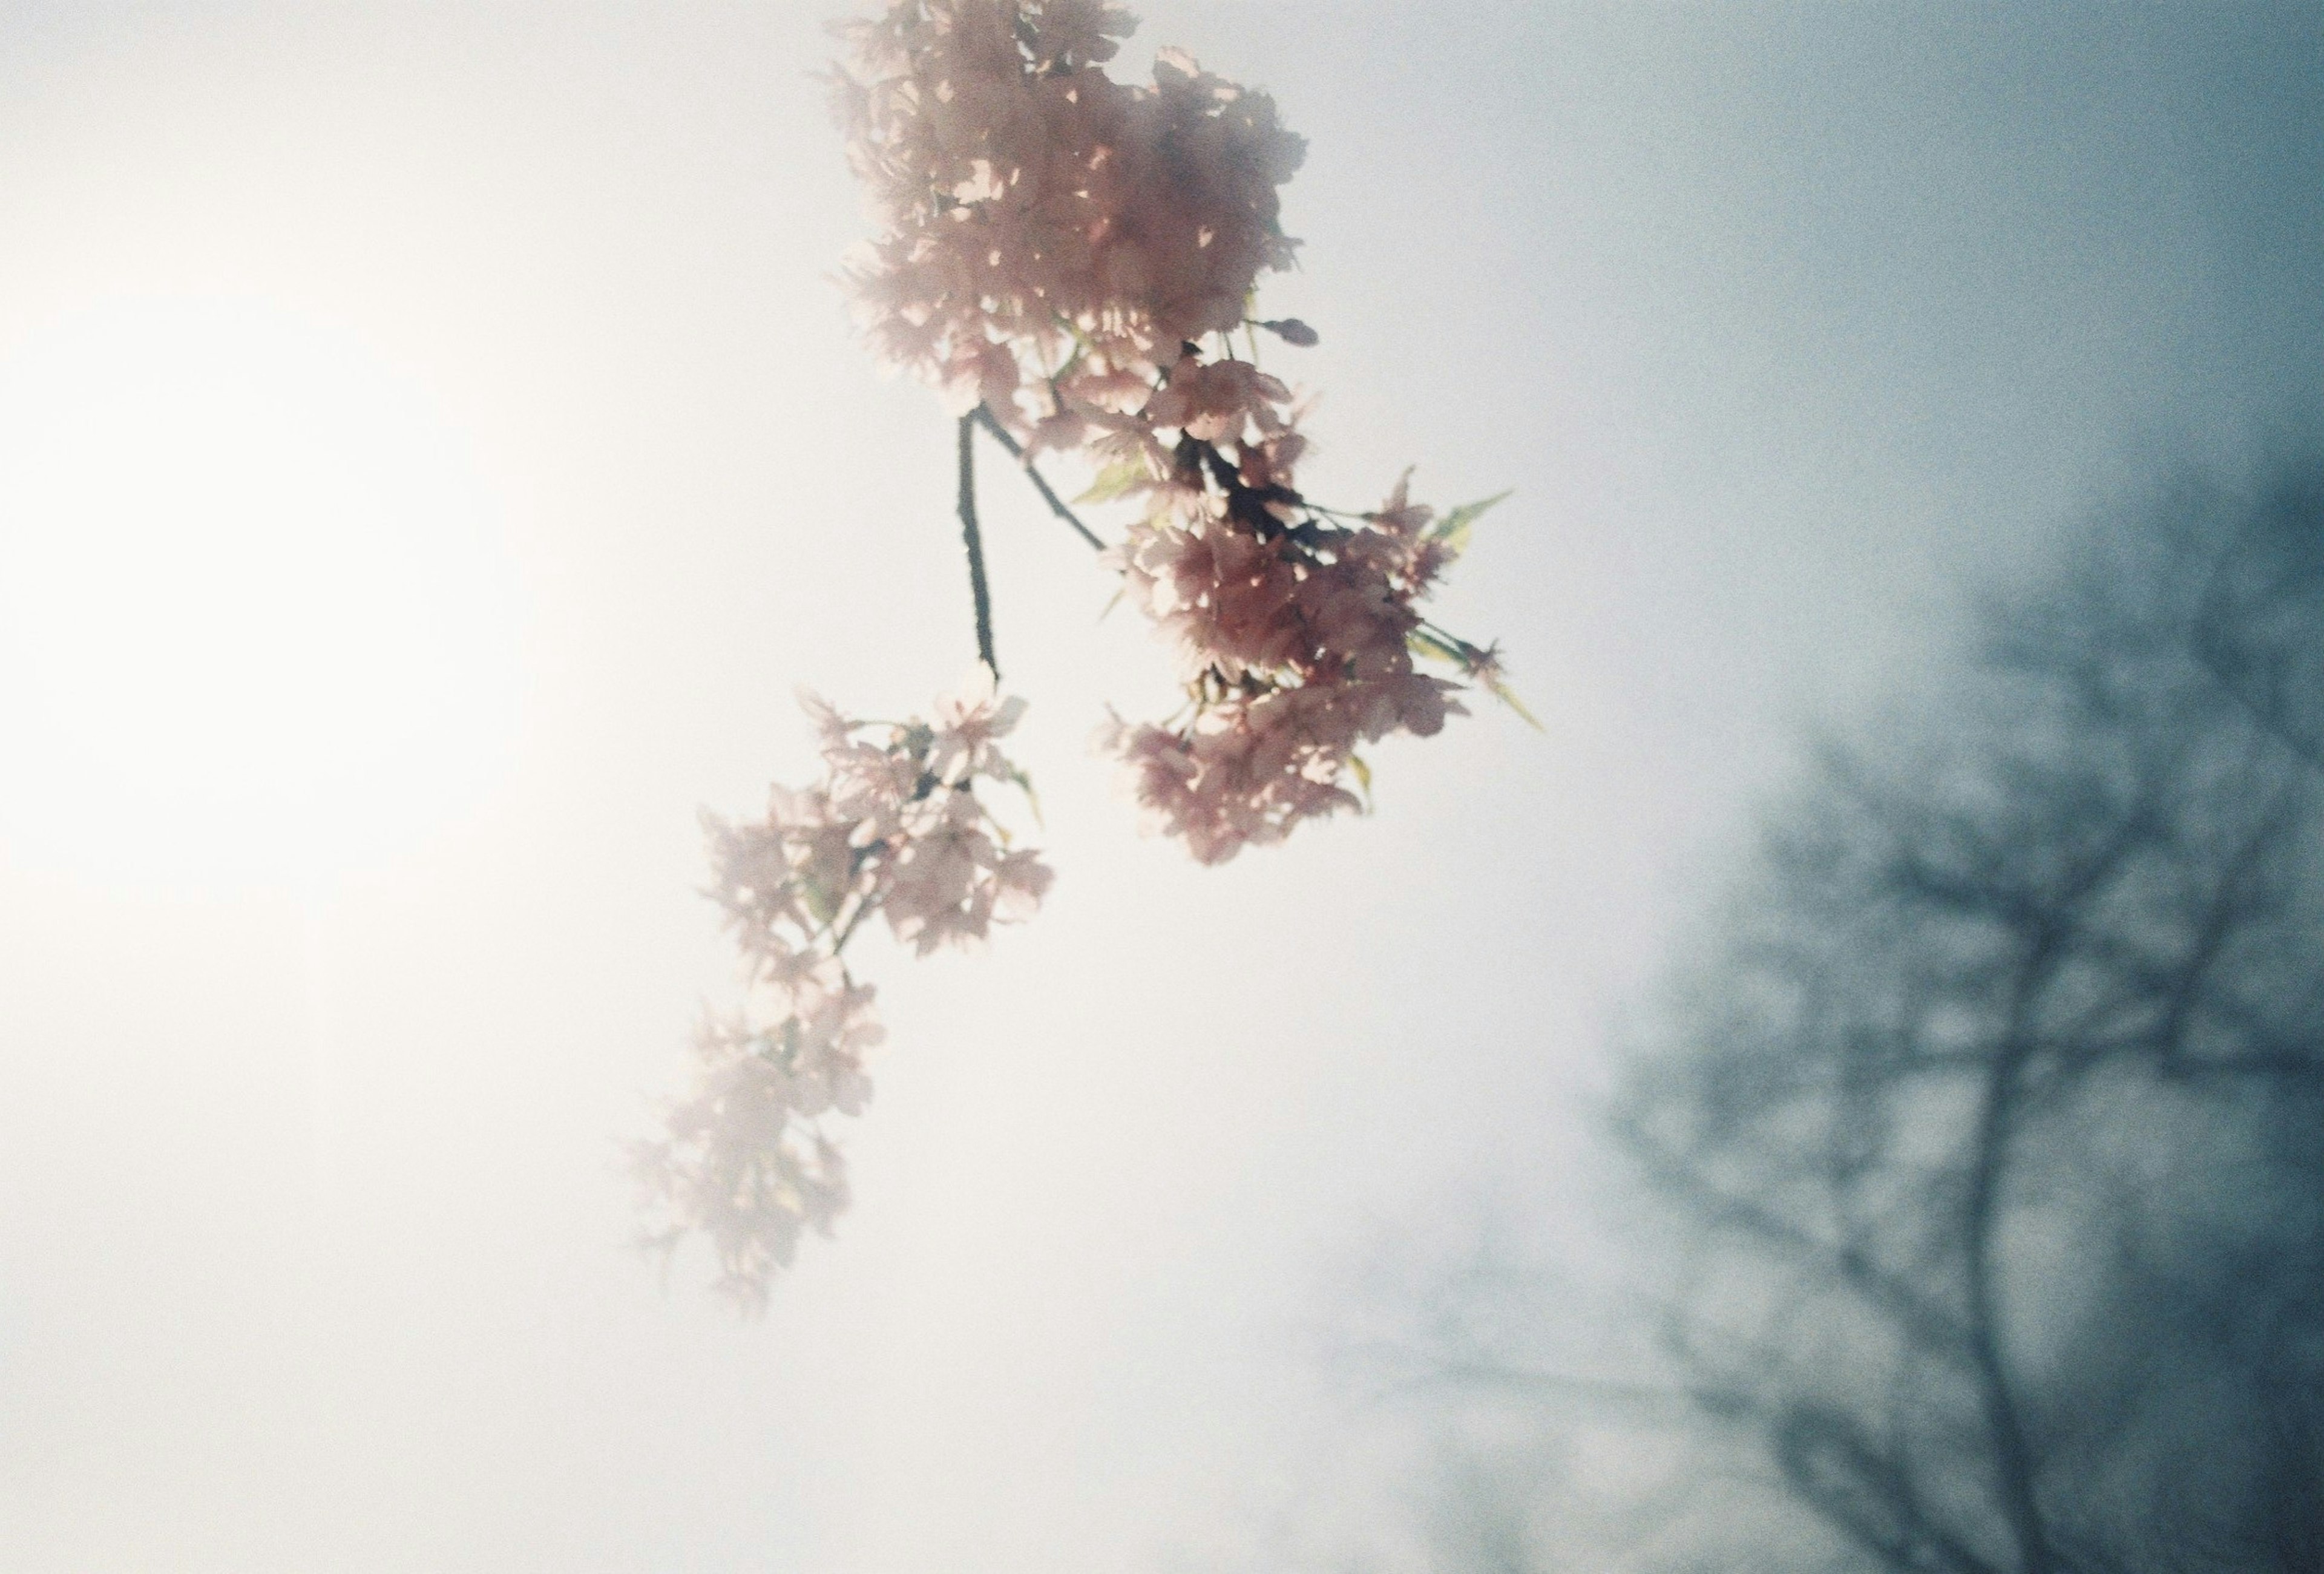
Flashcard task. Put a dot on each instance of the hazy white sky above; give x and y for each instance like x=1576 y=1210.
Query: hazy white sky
x=431 y=450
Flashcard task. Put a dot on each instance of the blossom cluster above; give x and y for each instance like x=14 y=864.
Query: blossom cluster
x=1297 y=633
x=1074 y=255
x=1052 y=237
x=894 y=828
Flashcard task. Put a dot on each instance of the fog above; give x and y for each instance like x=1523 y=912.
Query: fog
x=432 y=449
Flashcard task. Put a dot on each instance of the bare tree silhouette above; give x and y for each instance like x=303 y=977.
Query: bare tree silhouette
x=1995 y=1127
x=2255 y=626
x=1984 y=1141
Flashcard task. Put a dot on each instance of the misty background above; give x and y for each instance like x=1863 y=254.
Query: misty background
x=431 y=451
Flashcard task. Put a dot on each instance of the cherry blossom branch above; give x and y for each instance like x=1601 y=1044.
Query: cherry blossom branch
x=984 y=417
x=1300 y=622
x=894 y=827
x=1308 y=617
x=974 y=541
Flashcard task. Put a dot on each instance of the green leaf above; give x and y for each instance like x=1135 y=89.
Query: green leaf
x=1363 y=779
x=1018 y=774
x=1452 y=529
x=1502 y=693
x=1421 y=642
x=1120 y=476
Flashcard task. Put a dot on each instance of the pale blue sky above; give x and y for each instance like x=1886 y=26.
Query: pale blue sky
x=1784 y=322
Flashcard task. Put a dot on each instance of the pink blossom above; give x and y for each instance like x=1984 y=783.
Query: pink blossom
x=1034 y=206
x=894 y=827
x=741 y=1161
x=969 y=726
x=1298 y=648
x=1069 y=252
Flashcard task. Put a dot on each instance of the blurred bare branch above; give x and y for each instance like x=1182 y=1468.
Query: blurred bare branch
x=1991 y=1130
x=1994 y=1125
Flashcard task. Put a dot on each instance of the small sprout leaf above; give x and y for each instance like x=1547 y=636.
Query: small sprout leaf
x=1452 y=530
x=1121 y=476
x=1424 y=643
x=1033 y=799
x=1503 y=693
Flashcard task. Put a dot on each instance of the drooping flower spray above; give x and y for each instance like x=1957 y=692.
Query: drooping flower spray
x=1068 y=259
x=895 y=828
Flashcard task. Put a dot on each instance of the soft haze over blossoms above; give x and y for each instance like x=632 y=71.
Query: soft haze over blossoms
x=1068 y=259
x=1073 y=255
x=1052 y=235
x=894 y=828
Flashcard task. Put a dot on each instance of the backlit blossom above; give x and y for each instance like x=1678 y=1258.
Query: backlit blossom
x=895 y=827
x=1297 y=633
x=1072 y=253
x=969 y=726
x=1051 y=237
x=1067 y=260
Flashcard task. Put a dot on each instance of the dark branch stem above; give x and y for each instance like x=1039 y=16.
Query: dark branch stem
x=983 y=417
x=2048 y=925
x=2013 y=1455
x=974 y=541
x=1635 y=1397
x=1924 y=1323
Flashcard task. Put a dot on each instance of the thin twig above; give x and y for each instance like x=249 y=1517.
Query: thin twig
x=975 y=544
x=983 y=417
